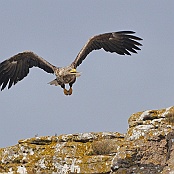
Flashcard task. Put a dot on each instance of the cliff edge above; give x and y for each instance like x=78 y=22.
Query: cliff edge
x=147 y=147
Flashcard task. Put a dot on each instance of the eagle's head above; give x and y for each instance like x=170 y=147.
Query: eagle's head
x=68 y=71
x=68 y=74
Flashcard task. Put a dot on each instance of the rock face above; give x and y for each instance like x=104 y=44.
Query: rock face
x=147 y=147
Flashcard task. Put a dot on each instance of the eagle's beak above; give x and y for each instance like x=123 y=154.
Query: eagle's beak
x=74 y=71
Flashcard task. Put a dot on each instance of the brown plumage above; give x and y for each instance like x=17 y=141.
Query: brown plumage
x=17 y=67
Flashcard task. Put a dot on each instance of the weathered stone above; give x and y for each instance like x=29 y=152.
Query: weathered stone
x=146 y=148
x=149 y=143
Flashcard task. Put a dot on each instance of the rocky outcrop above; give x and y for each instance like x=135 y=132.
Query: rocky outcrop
x=146 y=148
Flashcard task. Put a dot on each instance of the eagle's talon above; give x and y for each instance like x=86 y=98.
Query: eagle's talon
x=66 y=92
x=70 y=91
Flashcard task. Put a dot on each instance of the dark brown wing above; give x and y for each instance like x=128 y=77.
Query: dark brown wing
x=17 y=67
x=122 y=42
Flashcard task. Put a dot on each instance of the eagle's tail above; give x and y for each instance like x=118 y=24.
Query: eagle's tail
x=54 y=82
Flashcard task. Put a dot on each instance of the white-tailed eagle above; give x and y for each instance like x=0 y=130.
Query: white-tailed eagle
x=17 y=67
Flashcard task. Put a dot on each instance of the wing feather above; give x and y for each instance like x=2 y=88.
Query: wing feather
x=122 y=42
x=12 y=74
x=17 y=67
x=4 y=83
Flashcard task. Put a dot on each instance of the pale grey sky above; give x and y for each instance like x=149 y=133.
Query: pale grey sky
x=111 y=87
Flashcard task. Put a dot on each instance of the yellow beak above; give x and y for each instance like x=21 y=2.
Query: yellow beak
x=73 y=71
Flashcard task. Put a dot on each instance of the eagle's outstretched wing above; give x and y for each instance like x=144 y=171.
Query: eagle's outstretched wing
x=17 y=67
x=122 y=42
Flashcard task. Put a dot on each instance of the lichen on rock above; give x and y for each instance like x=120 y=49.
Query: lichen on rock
x=147 y=147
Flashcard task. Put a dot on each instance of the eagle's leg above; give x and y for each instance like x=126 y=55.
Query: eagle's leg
x=70 y=85
x=66 y=92
x=70 y=90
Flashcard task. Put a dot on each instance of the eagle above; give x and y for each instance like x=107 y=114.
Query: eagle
x=17 y=67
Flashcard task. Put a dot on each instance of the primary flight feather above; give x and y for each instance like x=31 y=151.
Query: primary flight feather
x=17 y=67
